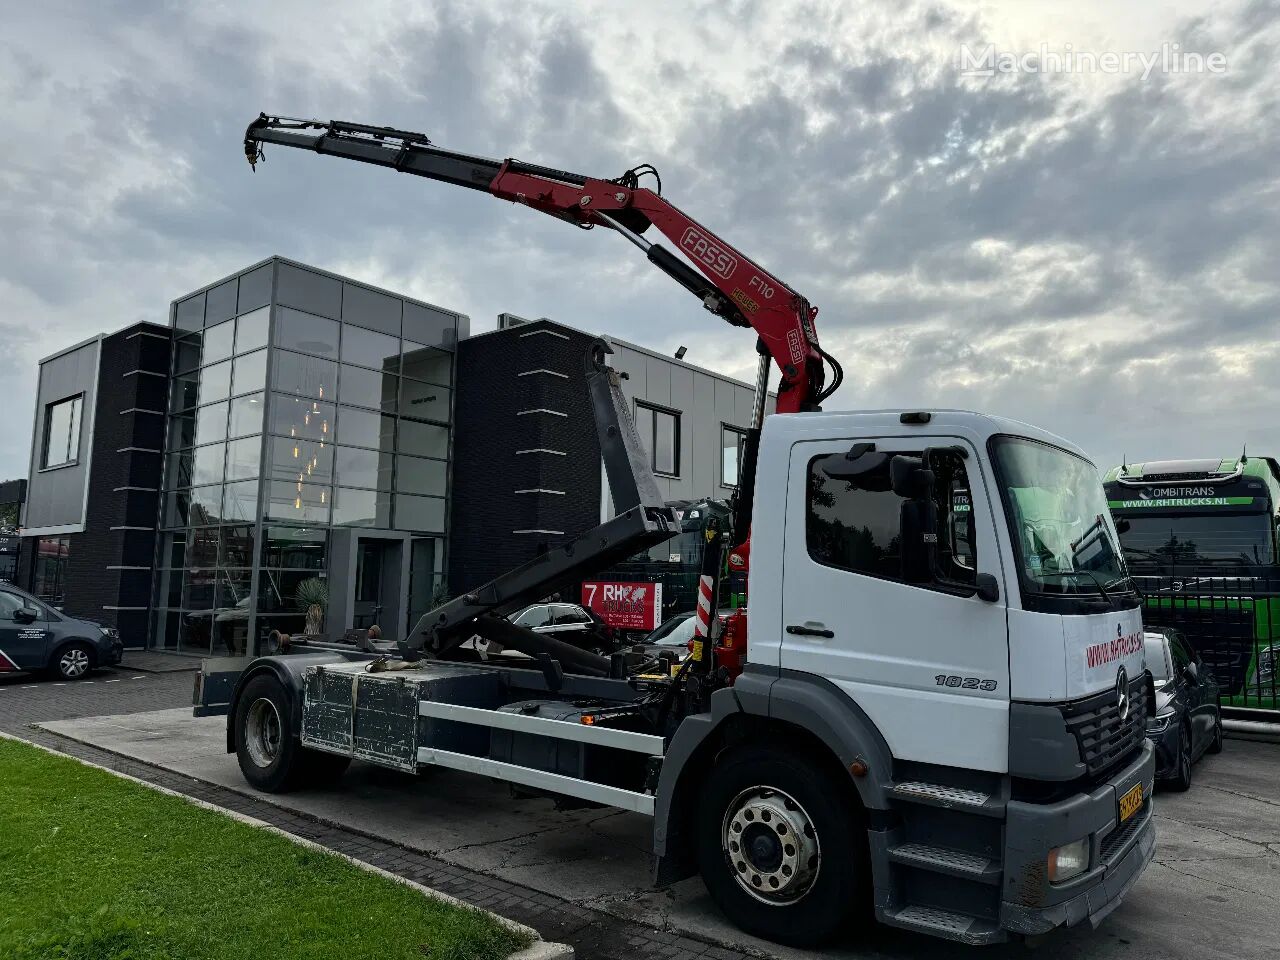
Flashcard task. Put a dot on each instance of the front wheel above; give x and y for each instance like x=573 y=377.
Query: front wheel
x=73 y=662
x=1180 y=782
x=781 y=846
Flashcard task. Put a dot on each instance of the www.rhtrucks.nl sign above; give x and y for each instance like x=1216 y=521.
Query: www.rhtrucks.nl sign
x=626 y=606
x=1167 y=502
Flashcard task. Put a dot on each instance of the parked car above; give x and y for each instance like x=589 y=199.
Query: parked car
x=34 y=636
x=673 y=633
x=1187 y=722
x=569 y=623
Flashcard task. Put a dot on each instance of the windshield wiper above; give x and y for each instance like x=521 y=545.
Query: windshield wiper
x=1102 y=591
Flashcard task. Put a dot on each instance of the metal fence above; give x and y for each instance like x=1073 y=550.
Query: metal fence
x=1233 y=622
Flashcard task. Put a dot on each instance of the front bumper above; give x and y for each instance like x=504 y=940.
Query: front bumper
x=1030 y=904
x=112 y=653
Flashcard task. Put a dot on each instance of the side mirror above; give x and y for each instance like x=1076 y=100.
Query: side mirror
x=26 y=615
x=1122 y=524
x=910 y=478
x=861 y=463
x=1192 y=672
x=987 y=587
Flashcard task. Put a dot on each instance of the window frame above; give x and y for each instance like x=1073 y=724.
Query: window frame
x=74 y=428
x=937 y=582
x=741 y=434
x=653 y=410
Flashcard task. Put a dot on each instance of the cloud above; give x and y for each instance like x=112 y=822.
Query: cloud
x=1096 y=255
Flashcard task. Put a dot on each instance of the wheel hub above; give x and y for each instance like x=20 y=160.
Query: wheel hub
x=770 y=845
x=262 y=732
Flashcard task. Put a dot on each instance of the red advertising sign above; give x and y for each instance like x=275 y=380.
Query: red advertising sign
x=626 y=606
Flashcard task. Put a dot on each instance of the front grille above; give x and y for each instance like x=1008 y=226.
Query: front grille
x=1104 y=739
x=1115 y=841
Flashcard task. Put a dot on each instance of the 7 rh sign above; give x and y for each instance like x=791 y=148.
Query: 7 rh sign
x=626 y=606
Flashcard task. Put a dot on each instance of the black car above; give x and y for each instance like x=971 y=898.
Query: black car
x=34 y=636
x=1187 y=722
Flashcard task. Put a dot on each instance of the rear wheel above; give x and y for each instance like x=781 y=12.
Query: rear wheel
x=781 y=846
x=270 y=756
x=1215 y=745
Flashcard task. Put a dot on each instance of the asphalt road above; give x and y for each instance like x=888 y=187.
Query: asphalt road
x=1213 y=891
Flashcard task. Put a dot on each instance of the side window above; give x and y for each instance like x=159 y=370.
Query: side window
x=533 y=617
x=919 y=530
x=1181 y=654
x=10 y=603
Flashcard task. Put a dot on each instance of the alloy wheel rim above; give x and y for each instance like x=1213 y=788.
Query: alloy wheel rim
x=74 y=663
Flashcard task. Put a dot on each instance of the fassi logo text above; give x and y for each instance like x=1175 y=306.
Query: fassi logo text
x=716 y=259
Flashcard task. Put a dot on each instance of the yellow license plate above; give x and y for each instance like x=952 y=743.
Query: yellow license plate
x=1131 y=803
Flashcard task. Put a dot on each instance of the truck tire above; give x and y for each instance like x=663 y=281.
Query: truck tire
x=271 y=758
x=782 y=846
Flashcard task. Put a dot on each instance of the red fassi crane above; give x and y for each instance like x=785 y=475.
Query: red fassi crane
x=729 y=284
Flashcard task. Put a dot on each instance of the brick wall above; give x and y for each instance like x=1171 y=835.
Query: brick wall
x=132 y=379
x=489 y=432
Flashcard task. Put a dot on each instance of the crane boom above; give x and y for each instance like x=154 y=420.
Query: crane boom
x=728 y=283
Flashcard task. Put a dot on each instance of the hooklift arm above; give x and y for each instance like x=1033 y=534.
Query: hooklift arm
x=729 y=285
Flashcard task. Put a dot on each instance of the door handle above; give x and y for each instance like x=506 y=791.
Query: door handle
x=801 y=630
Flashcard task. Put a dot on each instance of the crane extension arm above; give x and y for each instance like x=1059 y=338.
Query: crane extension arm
x=728 y=283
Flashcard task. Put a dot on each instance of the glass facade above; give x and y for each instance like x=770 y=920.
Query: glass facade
x=301 y=405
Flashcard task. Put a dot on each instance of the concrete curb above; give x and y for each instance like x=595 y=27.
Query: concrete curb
x=1251 y=730
x=539 y=949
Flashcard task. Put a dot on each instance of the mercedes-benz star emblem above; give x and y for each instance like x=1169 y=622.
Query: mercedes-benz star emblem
x=1122 y=693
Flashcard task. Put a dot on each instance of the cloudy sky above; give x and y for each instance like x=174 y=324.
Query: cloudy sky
x=1093 y=251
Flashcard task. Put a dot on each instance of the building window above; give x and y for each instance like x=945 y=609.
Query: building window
x=49 y=577
x=659 y=431
x=731 y=441
x=62 y=432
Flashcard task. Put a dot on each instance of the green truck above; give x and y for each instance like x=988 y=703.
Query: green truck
x=1200 y=538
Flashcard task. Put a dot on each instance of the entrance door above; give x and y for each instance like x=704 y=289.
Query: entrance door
x=377 y=601
x=888 y=613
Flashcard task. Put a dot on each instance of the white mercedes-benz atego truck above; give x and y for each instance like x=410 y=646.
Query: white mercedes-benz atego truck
x=932 y=711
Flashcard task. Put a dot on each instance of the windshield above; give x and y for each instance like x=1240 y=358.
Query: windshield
x=677 y=631
x=1157 y=658
x=1166 y=542
x=1058 y=519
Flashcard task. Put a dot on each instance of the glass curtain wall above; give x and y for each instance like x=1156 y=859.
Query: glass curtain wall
x=342 y=422
x=213 y=452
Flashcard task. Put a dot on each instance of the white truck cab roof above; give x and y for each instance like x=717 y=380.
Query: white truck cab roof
x=978 y=427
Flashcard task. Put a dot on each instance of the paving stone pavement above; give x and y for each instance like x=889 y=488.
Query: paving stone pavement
x=593 y=935
x=1211 y=894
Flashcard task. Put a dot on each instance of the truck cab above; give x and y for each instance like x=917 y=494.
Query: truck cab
x=951 y=584
x=1201 y=538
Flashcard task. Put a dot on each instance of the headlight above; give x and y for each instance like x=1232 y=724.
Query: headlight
x=109 y=632
x=1160 y=722
x=1069 y=860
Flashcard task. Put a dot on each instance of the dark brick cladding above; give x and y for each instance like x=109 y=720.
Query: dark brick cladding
x=489 y=429
x=132 y=379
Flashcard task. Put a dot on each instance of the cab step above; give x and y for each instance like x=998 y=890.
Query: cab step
x=945 y=860
x=945 y=923
x=950 y=798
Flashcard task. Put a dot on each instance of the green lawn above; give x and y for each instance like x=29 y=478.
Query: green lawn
x=93 y=867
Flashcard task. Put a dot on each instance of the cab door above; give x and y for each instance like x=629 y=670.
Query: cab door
x=898 y=626
x=24 y=637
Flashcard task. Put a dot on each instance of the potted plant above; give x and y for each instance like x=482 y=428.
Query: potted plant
x=312 y=597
